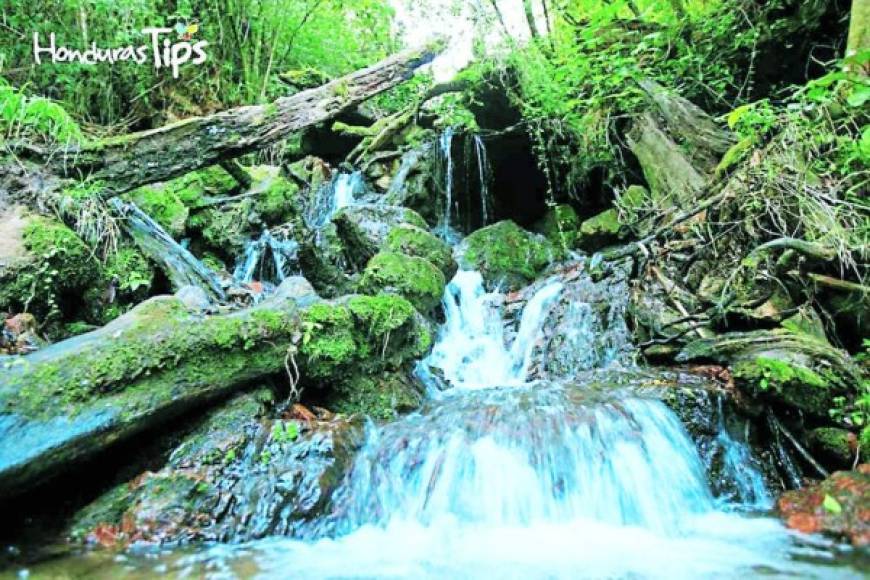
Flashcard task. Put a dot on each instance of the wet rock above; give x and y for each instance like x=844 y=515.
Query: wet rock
x=363 y=228
x=506 y=254
x=240 y=475
x=839 y=506
x=20 y=335
x=381 y=397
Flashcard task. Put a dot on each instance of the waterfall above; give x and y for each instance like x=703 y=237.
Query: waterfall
x=445 y=142
x=471 y=352
x=483 y=171
x=341 y=191
x=262 y=252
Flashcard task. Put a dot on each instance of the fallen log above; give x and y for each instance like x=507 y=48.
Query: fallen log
x=129 y=161
x=76 y=398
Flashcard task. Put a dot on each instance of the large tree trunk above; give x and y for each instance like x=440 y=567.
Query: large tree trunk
x=130 y=161
x=859 y=31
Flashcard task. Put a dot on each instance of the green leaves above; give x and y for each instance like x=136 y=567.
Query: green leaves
x=831 y=505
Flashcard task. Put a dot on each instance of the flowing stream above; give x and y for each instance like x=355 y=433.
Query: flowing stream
x=506 y=477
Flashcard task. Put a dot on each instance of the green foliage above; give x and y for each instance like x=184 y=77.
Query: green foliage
x=284 y=431
x=250 y=43
x=35 y=118
x=576 y=84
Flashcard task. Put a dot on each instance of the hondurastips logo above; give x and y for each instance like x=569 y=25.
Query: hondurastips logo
x=158 y=49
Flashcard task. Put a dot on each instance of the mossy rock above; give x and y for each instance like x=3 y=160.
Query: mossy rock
x=599 y=231
x=276 y=198
x=837 y=447
x=56 y=264
x=416 y=279
x=363 y=228
x=796 y=370
x=415 y=241
x=374 y=331
x=559 y=225
x=506 y=253
x=381 y=397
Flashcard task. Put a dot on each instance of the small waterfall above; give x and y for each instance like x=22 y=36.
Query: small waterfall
x=484 y=172
x=471 y=351
x=263 y=252
x=341 y=191
x=409 y=161
x=445 y=142
x=521 y=457
x=182 y=267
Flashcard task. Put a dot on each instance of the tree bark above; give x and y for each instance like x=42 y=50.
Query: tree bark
x=859 y=31
x=129 y=161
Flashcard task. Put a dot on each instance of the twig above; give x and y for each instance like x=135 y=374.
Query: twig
x=798 y=447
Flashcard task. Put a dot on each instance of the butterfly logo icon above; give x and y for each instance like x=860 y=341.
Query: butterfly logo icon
x=186 y=31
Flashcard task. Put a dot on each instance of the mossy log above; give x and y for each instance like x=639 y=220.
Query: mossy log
x=129 y=161
x=75 y=398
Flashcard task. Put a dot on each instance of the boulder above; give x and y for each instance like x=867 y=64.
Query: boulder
x=839 y=506
x=413 y=278
x=243 y=473
x=504 y=253
x=364 y=228
x=789 y=368
x=414 y=241
x=599 y=231
x=559 y=225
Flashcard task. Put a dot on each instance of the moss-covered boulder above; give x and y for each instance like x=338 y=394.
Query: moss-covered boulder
x=125 y=279
x=789 y=368
x=415 y=241
x=382 y=396
x=378 y=332
x=53 y=267
x=504 y=253
x=363 y=228
x=559 y=225
x=836 y=447
x=416 y=279
x=599 y=231
x=276 y=198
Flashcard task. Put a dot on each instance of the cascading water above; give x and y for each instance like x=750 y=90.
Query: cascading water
x=445 y=143
x=545 y=479
x=340 y=192
x=263 y=252
x=483 y=172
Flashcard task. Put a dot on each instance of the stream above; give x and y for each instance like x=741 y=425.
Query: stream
x=501 y=476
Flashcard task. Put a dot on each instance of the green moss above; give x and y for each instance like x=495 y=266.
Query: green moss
x=365 y=330
x=599 y=231
x=559 y=225
x=735 y=154
x=411 y=240
x=506 y=252
x=380 y=397
x=162 y=204
x=58 y=263
x=791 y=382
x=411 y=277
x=277 y=201
x=328 y=339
